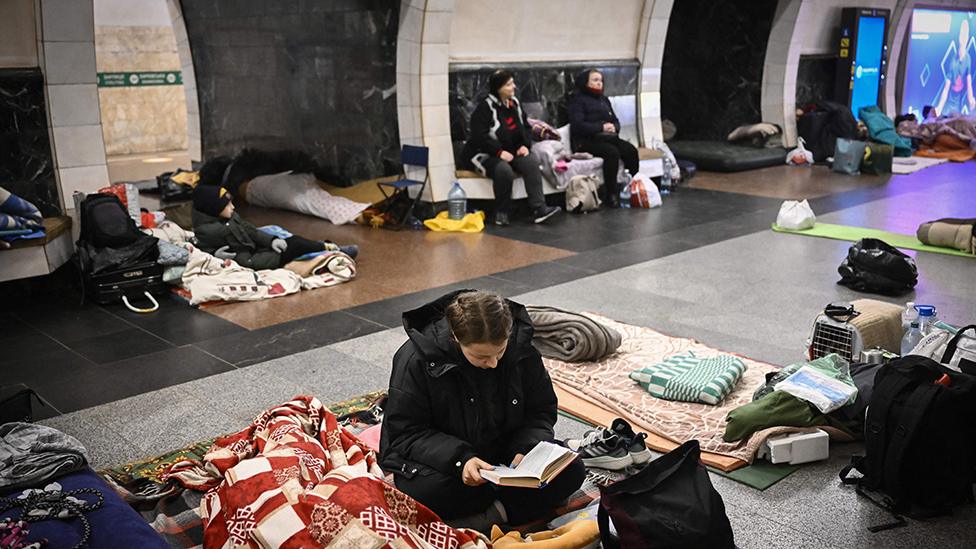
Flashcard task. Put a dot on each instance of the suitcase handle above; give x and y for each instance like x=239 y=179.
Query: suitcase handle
x=149 y=296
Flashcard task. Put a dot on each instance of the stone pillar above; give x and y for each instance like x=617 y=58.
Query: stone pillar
x=66 y=52
x=650 y=53
x=193 y=141
x=422 y=106
x=781 y=65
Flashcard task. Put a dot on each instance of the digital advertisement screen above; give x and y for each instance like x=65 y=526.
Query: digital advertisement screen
x=867 y=62
x=939 y=67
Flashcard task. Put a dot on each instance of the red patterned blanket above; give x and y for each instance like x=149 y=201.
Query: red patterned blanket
x=294 y=478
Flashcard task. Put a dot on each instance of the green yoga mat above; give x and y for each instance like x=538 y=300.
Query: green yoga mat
x=760 y=475
x=853 y=234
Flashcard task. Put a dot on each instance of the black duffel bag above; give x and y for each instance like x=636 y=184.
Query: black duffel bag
x=875 y=266
x=670 y=503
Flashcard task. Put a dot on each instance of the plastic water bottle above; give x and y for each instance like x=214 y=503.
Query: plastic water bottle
x=908 y=315
x=457 y=202
x=926 y=318
x=666 y=177
x=625 y=191
x=911 y=339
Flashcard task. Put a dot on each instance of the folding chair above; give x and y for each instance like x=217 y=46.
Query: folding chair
x=396 y=191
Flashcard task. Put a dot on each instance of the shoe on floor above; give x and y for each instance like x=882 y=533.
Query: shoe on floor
x=613 y=201
x=352 y=250
x=634 y=441
x=501 y=219
x=602 y=448
x=544 y=213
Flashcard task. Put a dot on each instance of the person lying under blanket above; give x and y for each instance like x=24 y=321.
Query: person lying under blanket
x=468 y=391
x=224 y=233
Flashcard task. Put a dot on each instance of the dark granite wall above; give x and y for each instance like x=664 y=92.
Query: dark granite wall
x=316 y=76
x=26 y=161
x=711 y=76
x=815 y=79
x=543 y=89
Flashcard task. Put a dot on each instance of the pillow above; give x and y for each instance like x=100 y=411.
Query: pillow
x=542 y=131
x=564 y=133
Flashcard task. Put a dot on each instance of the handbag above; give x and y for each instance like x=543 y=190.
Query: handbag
x=848 y=154
x=16 y=403
x=670 y=503
x=877 y=159
x=956 y=352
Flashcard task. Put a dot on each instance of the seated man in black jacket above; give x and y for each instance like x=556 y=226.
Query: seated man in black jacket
x=469 y=391
x=499 y=146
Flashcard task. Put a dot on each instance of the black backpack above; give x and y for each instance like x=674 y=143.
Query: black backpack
x=875 y=266
x=920 y=440
x=105 y=223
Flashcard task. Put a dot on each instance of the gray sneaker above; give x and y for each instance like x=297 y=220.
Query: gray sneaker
x=602 y=448
x=501 y=219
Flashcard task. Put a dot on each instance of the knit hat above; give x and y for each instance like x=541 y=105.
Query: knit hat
x=210 y=199
x=498 y=79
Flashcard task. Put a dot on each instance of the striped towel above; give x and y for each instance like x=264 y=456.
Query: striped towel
x=688 y=378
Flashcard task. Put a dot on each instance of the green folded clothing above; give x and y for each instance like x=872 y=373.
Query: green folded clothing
x=688 y=378
x=777 y=409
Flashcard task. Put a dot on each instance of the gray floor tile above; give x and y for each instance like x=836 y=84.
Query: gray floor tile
x=752 y=531
x=377 y=348
x=244 y=393
x=165 y=419
x=105 y=446
x=567 y=428
x=328 y=374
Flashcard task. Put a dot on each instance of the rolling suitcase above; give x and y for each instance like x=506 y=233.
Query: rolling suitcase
x=127 y=284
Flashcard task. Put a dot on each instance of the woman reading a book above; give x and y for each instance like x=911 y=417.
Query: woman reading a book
x=469 y=393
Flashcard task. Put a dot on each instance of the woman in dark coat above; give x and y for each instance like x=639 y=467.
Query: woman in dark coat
x=594 y=128
x=468 y=391
x=500 y=145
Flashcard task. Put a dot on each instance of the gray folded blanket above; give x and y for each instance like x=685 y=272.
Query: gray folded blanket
x=32 y=454
x=570 y=337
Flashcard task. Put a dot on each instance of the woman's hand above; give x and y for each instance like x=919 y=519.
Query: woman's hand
x=506 y=156
x=522 y=151
x=471 y=474
x=516 y=460
x=609 y=127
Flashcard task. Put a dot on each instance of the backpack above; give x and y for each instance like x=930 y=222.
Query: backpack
x=582 y=194
x=873 y=265
x=105 y=222
x=920 y=440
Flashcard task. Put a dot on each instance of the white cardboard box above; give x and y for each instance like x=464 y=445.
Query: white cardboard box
x=796 y=448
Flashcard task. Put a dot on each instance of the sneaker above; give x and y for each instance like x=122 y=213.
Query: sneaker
x=634 y=441
x=545 y=213
x=501 y=219
x=351 y=250
x=602 y=448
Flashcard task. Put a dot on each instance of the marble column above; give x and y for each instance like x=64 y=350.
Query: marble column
x=26 y=161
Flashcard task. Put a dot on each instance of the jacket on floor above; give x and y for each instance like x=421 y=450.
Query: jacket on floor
x=588 y=112
x=436 y=418
x=252 y=246
x=496 y=127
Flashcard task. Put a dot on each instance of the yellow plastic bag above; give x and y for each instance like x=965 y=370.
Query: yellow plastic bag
x=471 y=223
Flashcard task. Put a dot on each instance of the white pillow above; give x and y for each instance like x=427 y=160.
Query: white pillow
x=564 y=134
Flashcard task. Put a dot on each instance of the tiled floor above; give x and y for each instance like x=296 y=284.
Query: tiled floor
x=704 y=266
x=786 y=182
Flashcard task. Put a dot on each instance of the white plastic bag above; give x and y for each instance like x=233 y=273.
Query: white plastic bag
x=799 y=156
x=643 y=192
x=796 y=215
x=817 y=388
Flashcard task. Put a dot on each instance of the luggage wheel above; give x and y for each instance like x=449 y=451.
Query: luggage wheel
x=155 y=304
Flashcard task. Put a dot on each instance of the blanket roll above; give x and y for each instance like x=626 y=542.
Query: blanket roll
x=959 y=234
x=570 y=337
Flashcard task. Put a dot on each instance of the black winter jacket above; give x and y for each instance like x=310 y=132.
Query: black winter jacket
x=252 y=245
x=588 y=112
x=434 y=419
x=490 y=133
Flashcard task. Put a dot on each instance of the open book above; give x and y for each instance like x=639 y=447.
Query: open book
x=537 y=468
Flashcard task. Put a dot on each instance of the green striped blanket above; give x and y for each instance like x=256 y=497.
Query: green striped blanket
x=688 y=378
